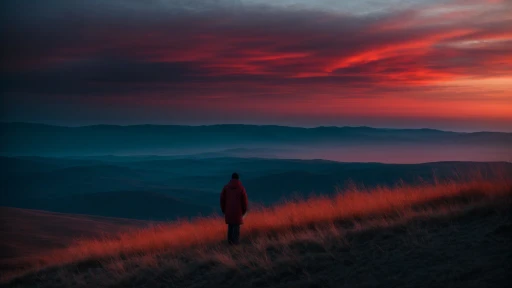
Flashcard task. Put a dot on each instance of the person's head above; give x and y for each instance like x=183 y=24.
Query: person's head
x=235 y=176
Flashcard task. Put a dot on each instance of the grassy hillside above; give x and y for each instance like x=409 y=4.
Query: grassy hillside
x=27 y=232
x=446 y=234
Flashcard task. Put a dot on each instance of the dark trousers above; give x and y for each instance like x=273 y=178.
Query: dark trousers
x=233 y=234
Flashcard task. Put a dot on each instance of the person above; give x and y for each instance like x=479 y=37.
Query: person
x=233 y=203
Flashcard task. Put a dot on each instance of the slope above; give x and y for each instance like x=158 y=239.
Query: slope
x=26 y=232
x=451 y=234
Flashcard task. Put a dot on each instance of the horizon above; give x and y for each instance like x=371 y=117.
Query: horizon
x=258 y=125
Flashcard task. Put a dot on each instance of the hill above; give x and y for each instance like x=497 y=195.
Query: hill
x=143 y=205
x=449 y=234
x=47 y=140
x=27 y=232
x=107 y=186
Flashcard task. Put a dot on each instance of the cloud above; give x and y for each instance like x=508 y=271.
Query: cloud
x=252 y=49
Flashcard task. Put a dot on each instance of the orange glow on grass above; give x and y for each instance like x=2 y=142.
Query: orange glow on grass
x=204 y=231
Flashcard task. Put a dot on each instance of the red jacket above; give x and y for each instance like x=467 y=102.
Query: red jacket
x=233 y=202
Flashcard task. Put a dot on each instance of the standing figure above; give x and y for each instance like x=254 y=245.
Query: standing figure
x=233 y=202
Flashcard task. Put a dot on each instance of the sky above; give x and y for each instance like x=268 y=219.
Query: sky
x=382 y=63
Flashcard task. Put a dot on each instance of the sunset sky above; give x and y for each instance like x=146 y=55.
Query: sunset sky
x=382 y=63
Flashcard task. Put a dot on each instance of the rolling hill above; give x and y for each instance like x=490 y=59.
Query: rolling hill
x=27 y=232
x=453 y=234
x=85 y=185
x=142 y=205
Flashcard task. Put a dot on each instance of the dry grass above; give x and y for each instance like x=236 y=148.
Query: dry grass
x=313 y=224
x=349 y=204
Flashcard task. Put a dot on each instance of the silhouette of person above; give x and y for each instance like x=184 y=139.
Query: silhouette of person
x=233 y=202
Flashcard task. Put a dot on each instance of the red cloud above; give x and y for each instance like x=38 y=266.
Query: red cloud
x=272 y=57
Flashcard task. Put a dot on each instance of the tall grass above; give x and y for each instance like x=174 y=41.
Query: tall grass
x=346 y=204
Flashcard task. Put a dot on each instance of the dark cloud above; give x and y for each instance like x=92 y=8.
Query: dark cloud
x=207 y=49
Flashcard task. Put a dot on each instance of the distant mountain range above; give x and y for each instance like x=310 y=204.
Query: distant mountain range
x=40 y=139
